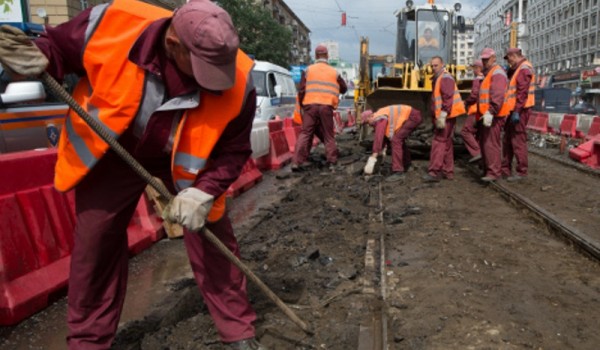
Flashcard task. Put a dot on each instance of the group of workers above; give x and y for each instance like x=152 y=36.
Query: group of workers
x=176 y=91
x=494 y=131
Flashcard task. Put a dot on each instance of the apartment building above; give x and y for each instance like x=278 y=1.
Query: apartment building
x=463 y=47
x=565 y=41
x=560 y=38
x=493 y=26
x=300 y=49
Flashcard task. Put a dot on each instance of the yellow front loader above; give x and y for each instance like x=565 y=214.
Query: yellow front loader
x=406 y=77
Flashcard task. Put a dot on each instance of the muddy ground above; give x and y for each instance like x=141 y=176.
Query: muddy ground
x=463 y=269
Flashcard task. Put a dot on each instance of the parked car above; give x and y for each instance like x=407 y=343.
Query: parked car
x=584 y=108
x=275 y=91
x=30 y=117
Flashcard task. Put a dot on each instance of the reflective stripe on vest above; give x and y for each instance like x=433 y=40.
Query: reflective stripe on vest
x=458 y=106
x=484 y=90
x=511 y=94
x=397 y=116
x=321 y=85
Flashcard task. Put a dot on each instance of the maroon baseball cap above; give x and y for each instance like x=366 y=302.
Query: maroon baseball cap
x=208 y=32
x=487 y=53
x=477 y=63
x=512 y=50
x=321 y=50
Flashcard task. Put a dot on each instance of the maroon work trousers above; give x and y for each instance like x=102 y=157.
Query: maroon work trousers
x=470 y=134
x=514 y=145
x=105 y=202
x=491 y=147
x=400 y=153
x=441 y=159
x=316 y=117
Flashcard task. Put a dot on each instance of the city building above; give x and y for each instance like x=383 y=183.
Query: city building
x=564 y=43
x=463 y=46
x=560 y=38
x=300 y=50
x=493 y=26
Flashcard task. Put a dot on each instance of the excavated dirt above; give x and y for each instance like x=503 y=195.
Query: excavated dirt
x=463 y=269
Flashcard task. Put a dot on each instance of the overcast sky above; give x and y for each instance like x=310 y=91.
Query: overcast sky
x=372 y=18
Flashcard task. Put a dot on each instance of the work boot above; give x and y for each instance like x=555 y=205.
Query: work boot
x=300 y=167
x=488 y=178
x=515 y=178
x=246 y=344
x=475 y=158
x=395 y=177
x=429 y=178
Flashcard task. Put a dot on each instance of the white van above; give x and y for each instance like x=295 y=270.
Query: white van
x=275 y=91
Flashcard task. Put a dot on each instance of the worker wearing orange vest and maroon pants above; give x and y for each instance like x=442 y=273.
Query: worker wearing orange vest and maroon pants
x=177 y=92
x=492 y=93
x=472 y=128
x=318 y=94
x=394 y=123
x=446 y=106
x=521 y=97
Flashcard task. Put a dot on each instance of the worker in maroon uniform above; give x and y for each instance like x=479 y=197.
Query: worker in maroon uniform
x=471 y=129
x=492 y=93
x=318 y=95
x=392 y=123
x=177 y=92
x=521 y=97
x=446 y=105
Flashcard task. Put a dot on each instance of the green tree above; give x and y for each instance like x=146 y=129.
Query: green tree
x=260 y=35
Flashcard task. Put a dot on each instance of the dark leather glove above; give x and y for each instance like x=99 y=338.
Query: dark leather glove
x=515 y=117
x=19 y=54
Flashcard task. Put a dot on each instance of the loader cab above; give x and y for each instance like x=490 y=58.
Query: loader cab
x=424 y=32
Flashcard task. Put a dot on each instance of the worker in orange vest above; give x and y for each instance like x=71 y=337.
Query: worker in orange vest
x=492 y=93
x=471 y=129
x=177 y=92
x=318 y=95
x=521 y=97
x=446 y=106
x=392 y=123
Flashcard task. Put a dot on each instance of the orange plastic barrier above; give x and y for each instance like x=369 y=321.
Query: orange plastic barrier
x=249 y=177
x=568 y=125
x=594 y=128
x=588 y=152
x=279 y=152
x=36 y=234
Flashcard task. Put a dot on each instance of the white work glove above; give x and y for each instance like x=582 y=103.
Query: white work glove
x=370 y=165
x=19 y=54
x=487 y=119
x=189 y=208
x=440 y=122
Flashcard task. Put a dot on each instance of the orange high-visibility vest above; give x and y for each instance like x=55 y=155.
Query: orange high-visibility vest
x=117 y=93
x=458 y=106
x=473 y=108
x=511 y=94
x=396 y=116
x=297 y=116
x=321 y=85
x=484 y=91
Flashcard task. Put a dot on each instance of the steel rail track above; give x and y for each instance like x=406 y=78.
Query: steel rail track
x=582 y=241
